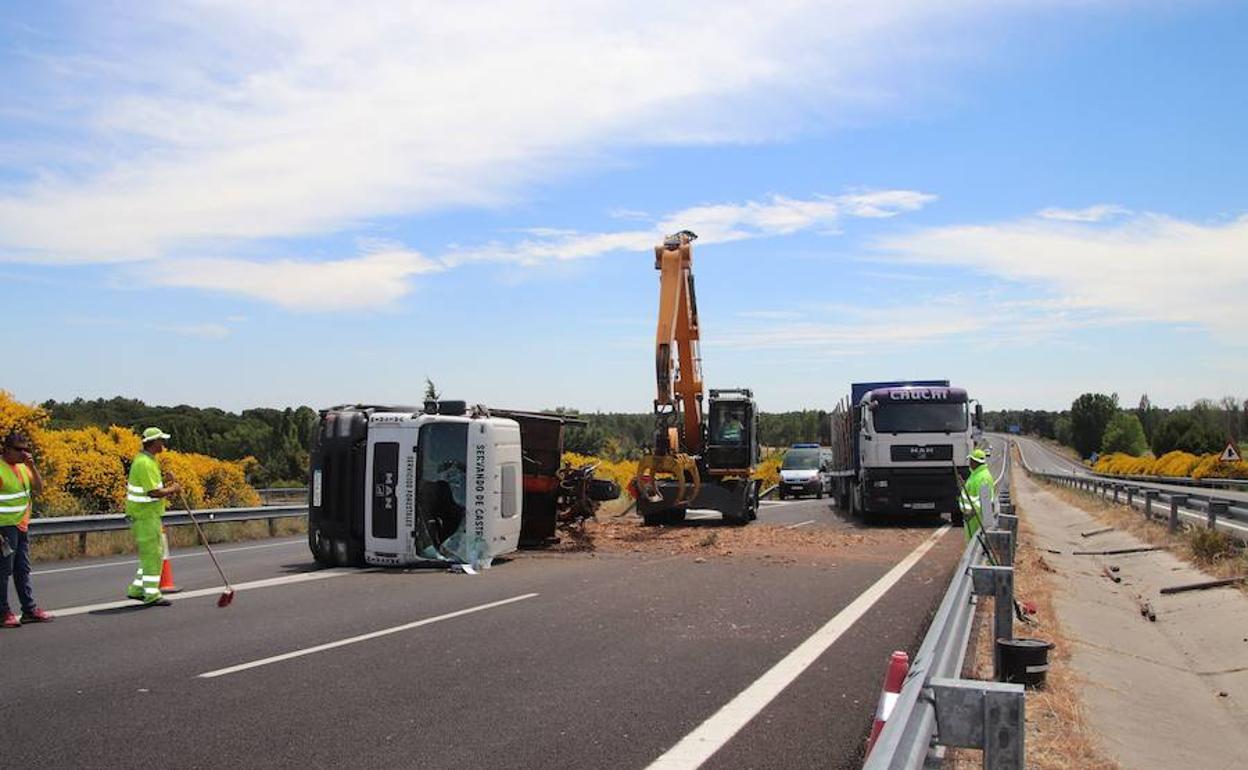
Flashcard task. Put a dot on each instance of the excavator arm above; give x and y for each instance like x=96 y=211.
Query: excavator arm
x=678 y=362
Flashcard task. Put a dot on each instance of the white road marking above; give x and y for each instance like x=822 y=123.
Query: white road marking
x=778 y=502
x=360 y=638
x=800 y=524
x=134 y=562
x=699 y=745
x=302 y=577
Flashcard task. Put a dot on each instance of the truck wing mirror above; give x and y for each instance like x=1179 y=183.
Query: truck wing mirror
x=979 y=415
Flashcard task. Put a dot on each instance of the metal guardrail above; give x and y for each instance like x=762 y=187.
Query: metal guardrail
x=1214 y=512
x=1238 y=485
x=83 y=525
x=936 y=707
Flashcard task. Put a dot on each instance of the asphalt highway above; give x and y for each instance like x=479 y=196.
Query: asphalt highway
x=581 y=659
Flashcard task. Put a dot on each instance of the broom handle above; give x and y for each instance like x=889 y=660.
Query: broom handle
x=204 y=539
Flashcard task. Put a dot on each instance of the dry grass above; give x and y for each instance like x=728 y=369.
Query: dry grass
x=1213 y=552
x=1058 y=736
x=56 y=547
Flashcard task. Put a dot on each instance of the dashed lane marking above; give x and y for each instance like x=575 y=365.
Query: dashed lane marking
x=361 y=638
x=699 y=745
x=800 y=524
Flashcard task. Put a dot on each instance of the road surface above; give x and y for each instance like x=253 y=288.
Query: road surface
x=577 y=660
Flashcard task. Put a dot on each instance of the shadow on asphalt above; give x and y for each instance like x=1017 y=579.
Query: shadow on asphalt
x=136 y=607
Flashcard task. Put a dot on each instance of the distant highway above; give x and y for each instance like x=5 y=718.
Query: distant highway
x=577 y=660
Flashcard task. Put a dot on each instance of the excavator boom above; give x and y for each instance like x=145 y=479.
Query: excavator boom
x=678 y=363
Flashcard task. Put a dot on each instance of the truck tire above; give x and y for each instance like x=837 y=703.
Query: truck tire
x=819 y=494
x=783 y=495
x=955 y=518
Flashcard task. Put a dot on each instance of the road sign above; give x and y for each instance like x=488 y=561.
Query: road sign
x=1231 y=453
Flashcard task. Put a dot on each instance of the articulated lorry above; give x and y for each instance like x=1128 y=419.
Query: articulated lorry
x=397 y=485
x=896 y=446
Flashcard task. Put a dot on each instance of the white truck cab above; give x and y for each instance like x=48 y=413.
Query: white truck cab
x=436 y=486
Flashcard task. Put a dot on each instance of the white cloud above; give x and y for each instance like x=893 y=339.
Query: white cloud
x=374 y=279
x=776 y=215
x=194 y=130
x=1146 y=267
x=1097 y=213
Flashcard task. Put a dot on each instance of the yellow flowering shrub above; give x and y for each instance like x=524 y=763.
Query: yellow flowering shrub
x=1181 y=464
x=621 y=472
x=768 y=471
x=84 y=469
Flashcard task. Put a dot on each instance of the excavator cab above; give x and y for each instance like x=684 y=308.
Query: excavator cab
x=732 y=432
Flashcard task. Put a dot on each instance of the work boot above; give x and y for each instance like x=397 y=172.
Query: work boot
x=36 y=616
x=10 y=621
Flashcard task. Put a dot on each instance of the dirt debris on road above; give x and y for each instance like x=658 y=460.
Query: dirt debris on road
x=712 y=539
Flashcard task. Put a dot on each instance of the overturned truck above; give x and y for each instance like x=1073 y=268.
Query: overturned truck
x=397 y=485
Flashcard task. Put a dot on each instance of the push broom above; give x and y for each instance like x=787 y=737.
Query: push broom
x=227 y=597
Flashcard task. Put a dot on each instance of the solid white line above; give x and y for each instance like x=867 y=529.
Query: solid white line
x=302 y=577
x=800 y=524
x=698 y=746
x=360 y=638
x=133 y=562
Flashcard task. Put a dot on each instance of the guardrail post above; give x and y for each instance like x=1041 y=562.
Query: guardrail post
x=82 y=543
x=1001 y=541
x=1009 y=523
x=1131 y=496
x=997 y=582
x=1149 y=496
x=1116 y=493
x=982 y=715
x=1214 y=509
x=1176 y=501
x=272 y=527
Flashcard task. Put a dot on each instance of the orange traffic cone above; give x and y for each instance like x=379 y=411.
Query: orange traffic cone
x=166 y=570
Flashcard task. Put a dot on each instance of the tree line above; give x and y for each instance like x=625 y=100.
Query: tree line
x=626 y=435
x=279 y=439
x=1097 y=423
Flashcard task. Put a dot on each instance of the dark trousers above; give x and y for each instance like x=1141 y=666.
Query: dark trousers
x=17 y=564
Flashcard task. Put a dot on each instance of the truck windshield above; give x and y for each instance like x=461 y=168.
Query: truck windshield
x=920 y=418
x=443 y=471
x=800 y=460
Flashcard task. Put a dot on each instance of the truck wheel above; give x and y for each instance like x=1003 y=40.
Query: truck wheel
x=783 y=495
x=955 y=518
x=819 y=494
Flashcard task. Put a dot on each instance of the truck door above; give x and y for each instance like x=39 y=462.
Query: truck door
x=389 y=504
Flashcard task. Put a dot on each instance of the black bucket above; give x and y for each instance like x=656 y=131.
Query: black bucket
x=1024 y=661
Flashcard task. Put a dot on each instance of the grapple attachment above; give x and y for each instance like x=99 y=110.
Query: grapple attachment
x=679 y=468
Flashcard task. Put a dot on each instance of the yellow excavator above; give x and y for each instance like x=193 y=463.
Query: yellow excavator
x=700 y=460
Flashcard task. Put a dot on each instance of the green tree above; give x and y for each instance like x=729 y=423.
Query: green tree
x=1124 y=433
x=1186 y=431
x=1089 y=416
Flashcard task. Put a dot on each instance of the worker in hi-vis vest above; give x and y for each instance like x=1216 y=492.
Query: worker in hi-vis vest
x=145 y=504
x=969 y=499
x=19 y=483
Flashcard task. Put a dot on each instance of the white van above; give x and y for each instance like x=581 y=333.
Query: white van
x=806 y=470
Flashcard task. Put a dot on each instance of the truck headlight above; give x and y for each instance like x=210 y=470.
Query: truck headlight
x=882 y=483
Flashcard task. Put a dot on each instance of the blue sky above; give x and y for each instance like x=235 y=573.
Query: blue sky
x=241 y=204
